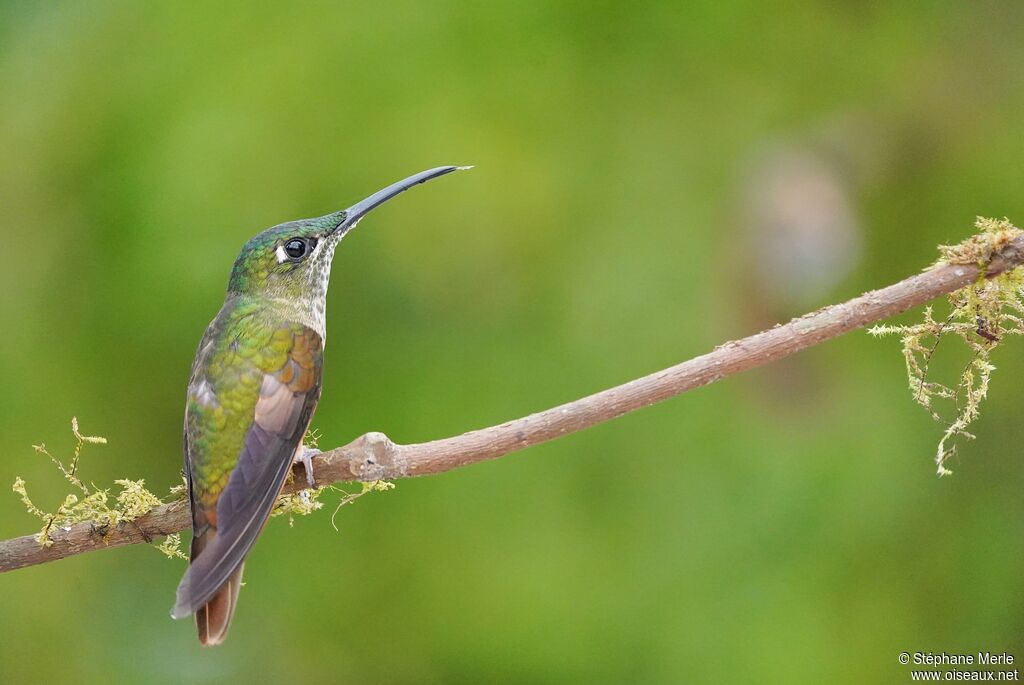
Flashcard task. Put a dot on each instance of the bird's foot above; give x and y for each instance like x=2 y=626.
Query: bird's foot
x=304 y=455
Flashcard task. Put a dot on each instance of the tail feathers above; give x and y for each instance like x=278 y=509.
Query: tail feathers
x=214 y=619
x=213 y=616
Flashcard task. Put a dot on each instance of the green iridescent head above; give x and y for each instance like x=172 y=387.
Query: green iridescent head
x=293 y=260
x=287 y=260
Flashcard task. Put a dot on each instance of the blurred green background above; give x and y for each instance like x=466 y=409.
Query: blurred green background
x=652 y=179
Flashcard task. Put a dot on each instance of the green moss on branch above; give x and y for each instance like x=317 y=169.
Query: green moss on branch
x=981 y=316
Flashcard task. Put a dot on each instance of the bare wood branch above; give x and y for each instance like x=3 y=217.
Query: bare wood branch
x=375 y=457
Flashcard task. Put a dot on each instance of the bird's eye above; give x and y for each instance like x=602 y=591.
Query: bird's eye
x=295 y=248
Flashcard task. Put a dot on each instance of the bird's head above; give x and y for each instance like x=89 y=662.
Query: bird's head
x=293 y=260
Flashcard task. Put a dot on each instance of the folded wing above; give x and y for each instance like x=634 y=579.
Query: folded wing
x=227 y=520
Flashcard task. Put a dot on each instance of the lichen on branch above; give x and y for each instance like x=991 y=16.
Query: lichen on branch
x=980 y=316
x=306 y=501
x=92 y=504
x=104 y=512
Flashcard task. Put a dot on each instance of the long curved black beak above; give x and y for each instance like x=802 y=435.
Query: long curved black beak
x=357 y=211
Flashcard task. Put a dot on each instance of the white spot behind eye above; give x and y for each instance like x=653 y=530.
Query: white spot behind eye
x=281 y=256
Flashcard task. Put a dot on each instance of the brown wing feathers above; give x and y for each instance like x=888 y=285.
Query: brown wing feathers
x=224 y=536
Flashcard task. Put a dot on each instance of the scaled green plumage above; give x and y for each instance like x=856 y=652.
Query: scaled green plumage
x=247 y=345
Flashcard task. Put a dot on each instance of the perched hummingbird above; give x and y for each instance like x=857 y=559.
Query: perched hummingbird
x=255 y=383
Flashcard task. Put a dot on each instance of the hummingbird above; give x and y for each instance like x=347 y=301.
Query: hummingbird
x=254 y=385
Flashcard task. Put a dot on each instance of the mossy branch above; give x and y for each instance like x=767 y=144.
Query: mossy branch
x=374 y=457
x=982 y=315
